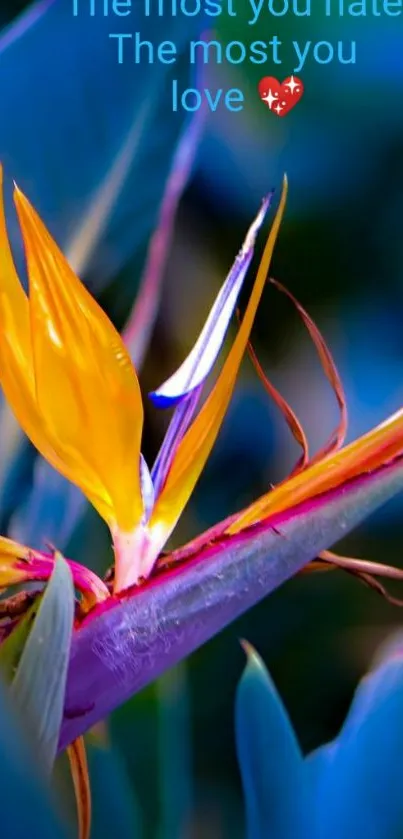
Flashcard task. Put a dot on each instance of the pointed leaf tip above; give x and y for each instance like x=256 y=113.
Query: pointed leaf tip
x=270 y=759
x=39 y=684
x=253 y=659
x=392 y=648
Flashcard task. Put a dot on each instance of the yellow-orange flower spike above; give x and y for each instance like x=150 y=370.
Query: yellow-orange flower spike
x=67 y=375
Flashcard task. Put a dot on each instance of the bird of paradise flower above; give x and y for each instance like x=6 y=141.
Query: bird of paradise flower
x=70 y=381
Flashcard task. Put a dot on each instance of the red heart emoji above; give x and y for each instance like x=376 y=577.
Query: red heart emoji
x=280 y=97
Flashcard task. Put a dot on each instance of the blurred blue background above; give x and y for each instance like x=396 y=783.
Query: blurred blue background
x=341 y=253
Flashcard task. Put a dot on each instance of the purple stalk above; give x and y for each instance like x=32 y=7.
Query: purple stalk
x=178 y=425
x=132 y=640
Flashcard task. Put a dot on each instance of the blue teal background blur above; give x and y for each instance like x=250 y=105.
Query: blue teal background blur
x=341 y=253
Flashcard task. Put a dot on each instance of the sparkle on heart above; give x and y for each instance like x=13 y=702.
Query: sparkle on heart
x=280 y=97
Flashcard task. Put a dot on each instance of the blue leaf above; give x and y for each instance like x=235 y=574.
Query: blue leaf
x=88 y=140
x=115 y=809
x=25 y=805
x=359 y=775
x=48 y=511
x=316 y=765
x=270 y=759
x=39 y=684
x=16 y=481
x=174 y=754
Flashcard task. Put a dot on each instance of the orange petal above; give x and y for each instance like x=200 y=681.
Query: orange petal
x=16 y=361
x=197 y=443
x=87 y=415
x=11 y=570
x=16 y=369
x=15 y=330
x=373 y=450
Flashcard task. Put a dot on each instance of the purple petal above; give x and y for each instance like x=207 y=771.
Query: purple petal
x=177 y=427
x=131 y=640
x=200 y=360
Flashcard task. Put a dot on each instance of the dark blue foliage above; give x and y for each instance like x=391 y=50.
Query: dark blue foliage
x=116 y=811
x=348 y=788
x=88 y=140
x=174 y=754
x=359 y=787
x=26 y=809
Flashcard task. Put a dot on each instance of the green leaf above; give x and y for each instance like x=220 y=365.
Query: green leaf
x=39 y=684
x=12 y=648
